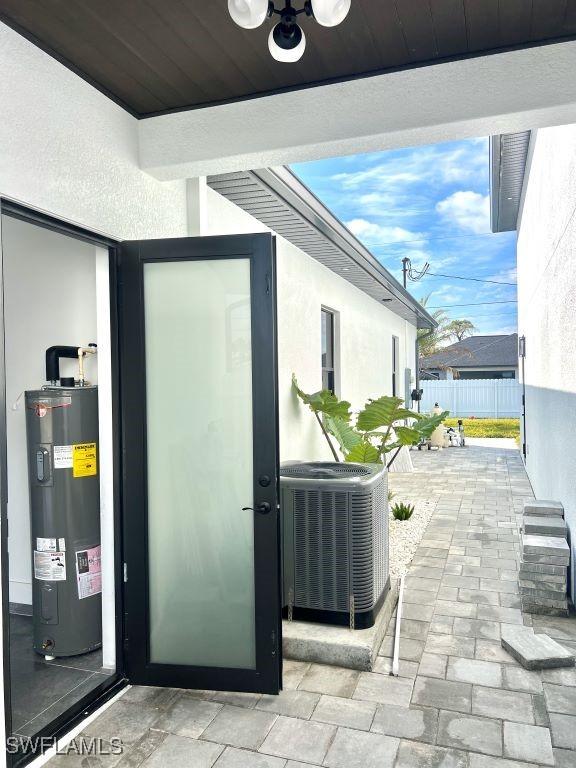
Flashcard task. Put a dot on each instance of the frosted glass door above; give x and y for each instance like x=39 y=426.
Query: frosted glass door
x=200 y=474
x=199 y=369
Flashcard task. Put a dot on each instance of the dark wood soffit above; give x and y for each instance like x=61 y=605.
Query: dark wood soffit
x=157 y=56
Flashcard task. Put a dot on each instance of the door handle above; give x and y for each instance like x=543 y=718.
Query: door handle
x=263 y=508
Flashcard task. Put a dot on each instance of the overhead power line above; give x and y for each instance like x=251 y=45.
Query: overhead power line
x=474 y=279
x=477 y=304
x=425 y=239
x=496 y=313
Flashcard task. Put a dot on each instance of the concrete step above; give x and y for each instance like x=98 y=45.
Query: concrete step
x=340 y=646
x=544 y=606
x=553 y=549
x=557 y=587
x=529 y=569
x=534 y=651
x=545 y=526
x=544 y=508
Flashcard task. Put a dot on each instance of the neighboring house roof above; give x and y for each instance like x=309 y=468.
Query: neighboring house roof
x=277 y=198
x=476 y=352
x=508 y=155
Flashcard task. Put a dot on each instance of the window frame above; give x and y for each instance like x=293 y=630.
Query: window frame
x=395 y=364
x=329 y=372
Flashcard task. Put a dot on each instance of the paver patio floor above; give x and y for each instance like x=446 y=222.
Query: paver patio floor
x=460 y=702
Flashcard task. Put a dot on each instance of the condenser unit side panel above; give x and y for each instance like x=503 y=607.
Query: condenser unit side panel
x=381 y=537
x=362 y=513
x=287 y=518
x=321 y=558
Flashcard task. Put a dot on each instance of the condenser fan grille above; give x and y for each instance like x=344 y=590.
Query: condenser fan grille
x=325 y=470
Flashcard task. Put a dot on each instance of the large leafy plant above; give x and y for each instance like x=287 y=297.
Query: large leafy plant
x=382 y=427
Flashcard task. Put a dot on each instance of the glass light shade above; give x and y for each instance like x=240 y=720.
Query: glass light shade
x=248 y=14
x=286 y=55
x=329 y=13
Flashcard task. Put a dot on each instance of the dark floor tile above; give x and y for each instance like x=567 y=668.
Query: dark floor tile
x=61 y=705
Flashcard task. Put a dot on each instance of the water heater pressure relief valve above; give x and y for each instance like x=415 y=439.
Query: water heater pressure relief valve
x=91 y=349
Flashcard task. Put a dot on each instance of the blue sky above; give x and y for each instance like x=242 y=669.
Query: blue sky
x=430 y=203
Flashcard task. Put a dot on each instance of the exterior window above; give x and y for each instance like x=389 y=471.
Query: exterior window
x=328 y=350
x=487 y=374
x=395 y=365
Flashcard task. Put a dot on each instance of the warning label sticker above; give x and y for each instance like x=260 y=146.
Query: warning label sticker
x=62 y=545
x=50 y=566
x=84 y=460
x=88 y=572
x=62 y=457
x=46 y=545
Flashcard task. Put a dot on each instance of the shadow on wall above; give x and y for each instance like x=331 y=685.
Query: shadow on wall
x=551 y=454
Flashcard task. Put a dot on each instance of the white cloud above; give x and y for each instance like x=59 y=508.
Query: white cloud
x=377 y=198
x=382 y=174
x=462 y=164
x=447 y=295
x=444 y=163
x=468 y=210
x=376 y=233
x=509 y=275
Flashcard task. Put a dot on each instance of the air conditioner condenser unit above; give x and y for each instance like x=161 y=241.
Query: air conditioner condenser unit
x=335 y=541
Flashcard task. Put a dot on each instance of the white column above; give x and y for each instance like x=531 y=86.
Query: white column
x=106 y=461
x=197 y=206
x=5 y=582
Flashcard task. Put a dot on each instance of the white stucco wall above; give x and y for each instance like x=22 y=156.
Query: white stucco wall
x=478 y=96
x=69 y=151
x=546 y=301
x=50 y=298
x=364 y=337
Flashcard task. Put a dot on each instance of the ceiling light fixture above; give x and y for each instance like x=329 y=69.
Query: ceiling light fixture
x=287 y=41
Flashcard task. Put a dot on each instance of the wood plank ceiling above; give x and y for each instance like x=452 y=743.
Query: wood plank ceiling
x=154 y=56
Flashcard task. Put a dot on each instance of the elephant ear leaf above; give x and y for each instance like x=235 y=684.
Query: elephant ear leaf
x=364 y=453
x=324 y=402
x=427 y=424
x=346 y=435
x=407 y=435
x=383 y=412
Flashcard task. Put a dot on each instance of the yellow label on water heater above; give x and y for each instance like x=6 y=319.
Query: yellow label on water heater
x=84 y=460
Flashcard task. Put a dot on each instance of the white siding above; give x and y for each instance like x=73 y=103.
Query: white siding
x=546 y=301
x=365 y=334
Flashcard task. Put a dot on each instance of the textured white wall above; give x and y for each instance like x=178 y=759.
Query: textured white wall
x=365 y=334
x=546 y=301
x=68 y=150
x=50 y=290
x=480 y=96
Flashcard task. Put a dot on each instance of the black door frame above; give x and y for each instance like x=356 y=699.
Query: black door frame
x=114 y=683
x=260 y=249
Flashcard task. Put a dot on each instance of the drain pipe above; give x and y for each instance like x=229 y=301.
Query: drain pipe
x=396 y=658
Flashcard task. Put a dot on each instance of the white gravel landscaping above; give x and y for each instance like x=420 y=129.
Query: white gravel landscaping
x=405 y=535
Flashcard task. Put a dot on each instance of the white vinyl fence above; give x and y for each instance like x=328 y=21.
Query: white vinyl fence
x=489 y=398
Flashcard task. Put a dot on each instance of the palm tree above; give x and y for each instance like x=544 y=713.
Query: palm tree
x=460 y=329
x=430 y=341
